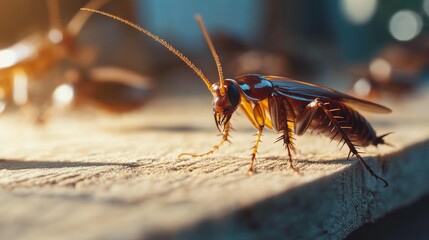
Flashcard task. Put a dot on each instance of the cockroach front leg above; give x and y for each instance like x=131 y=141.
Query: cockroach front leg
x=225 y=136
x=255 y=150
x=259 y=116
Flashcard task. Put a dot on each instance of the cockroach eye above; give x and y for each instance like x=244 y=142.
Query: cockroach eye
x=233 y=95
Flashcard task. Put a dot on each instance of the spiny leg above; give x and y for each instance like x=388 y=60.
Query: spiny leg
x=287 y=137
x=255 y=150
x=290 y=147
x=283 y=121
x=316 y=104
x=349 y=143
x=288 y=141
x=225 y=136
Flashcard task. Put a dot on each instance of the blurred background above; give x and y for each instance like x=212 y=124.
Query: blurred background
x=368 y=48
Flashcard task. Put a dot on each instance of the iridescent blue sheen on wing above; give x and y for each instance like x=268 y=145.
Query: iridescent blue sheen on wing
x=308 y=92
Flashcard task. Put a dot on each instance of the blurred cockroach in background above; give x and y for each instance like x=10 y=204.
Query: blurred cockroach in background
x=25 y=66
x=111 y=89
x=284 y=105
x=396 y=71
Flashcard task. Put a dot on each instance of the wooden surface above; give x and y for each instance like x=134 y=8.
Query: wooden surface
x=94 y=176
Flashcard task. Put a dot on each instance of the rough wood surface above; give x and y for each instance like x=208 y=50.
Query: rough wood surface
x=100 y=177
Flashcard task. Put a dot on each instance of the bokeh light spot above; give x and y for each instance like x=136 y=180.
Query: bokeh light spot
x=63 y=95
x=380 y=69
x=359 y=11
x=405 y=25
x=362 y=87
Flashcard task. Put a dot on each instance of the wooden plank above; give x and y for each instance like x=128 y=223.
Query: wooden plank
x=91 y=176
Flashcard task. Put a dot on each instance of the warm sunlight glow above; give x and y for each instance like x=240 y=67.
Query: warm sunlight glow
x=7 y=58
x=14 y=54
x=55 y=36
x=63 y=95
x=20 y=87
x=2 y=106
x=2 y=101
x=362 y=87
x=380 y=69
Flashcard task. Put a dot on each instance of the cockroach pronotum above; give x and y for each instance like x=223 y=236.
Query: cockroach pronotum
x=284 y=105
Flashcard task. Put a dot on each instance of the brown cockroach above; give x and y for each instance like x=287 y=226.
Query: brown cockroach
x=32 y=58
x=394 y=72
x=112 y=89
x=284 y=105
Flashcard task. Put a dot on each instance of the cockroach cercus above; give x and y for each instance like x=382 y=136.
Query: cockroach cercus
x=284 y=105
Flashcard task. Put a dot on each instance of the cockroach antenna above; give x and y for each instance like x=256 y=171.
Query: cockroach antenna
x=213 y=50
x=159 y=40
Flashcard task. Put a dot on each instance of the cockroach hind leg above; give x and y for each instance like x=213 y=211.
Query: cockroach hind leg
x=348 y=142
x=386 y=183
x=369 y=169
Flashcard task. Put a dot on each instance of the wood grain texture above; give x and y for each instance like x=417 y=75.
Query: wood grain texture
x=94 y=176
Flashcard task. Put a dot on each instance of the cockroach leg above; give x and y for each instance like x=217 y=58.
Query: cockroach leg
x=215 y=147
x=287 y=137
x=318 y=103
x=283 y=121
x=255 y=150
x=288 y=142
x=289 y=148
x=304 y=119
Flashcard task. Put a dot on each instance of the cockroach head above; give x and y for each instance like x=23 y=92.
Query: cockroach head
x=225 y=105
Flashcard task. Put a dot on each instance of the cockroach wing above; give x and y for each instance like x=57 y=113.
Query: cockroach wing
x=308 y=92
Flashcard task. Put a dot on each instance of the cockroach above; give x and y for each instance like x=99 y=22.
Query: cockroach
x=112 y=89
x=394 y=72
x=289 y=107
x=104 y=87
x=35 y=56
